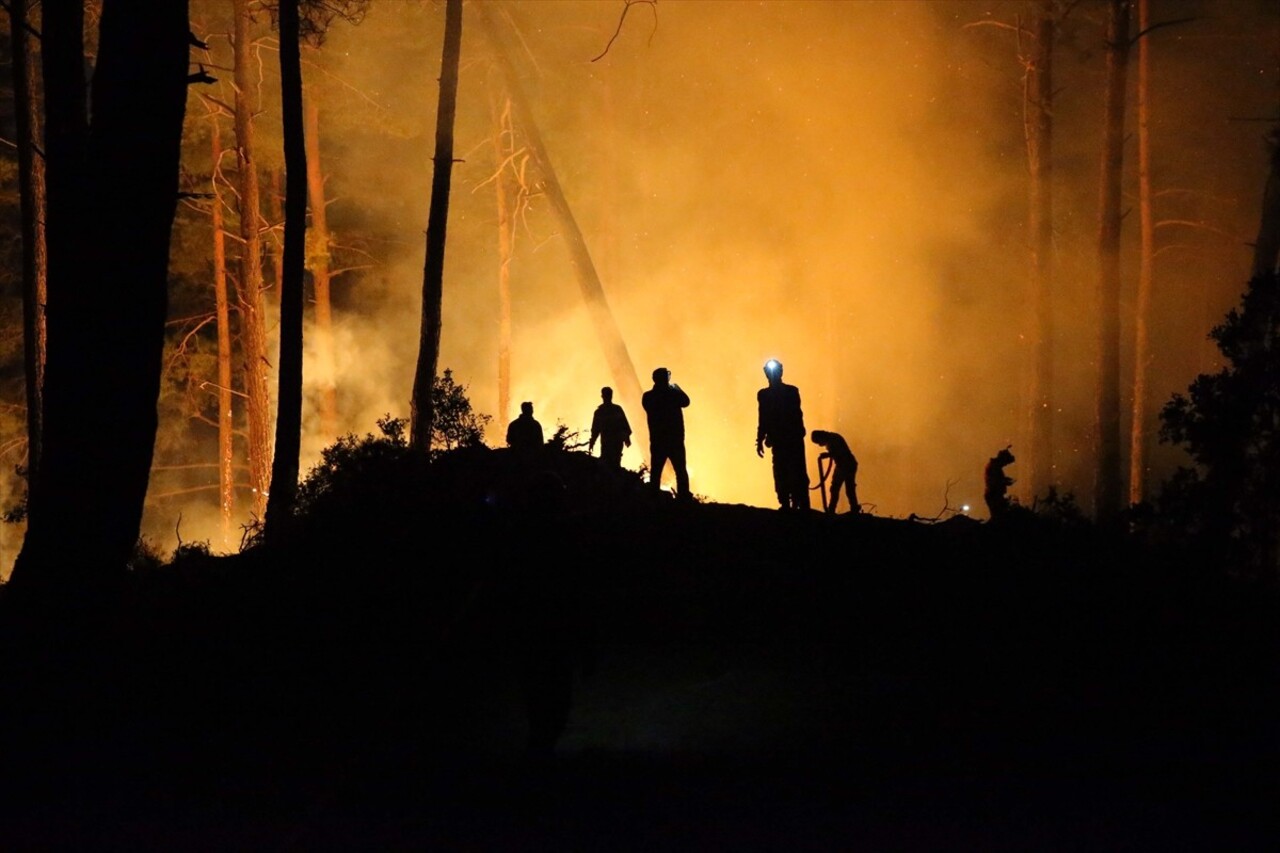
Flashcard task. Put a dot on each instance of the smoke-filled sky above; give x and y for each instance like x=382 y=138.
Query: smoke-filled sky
x=838 y=185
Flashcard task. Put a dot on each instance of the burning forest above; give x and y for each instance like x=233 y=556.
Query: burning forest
x=354 y=350
x=900 y=200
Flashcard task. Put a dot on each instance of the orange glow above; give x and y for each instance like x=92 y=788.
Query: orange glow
x=839 y=186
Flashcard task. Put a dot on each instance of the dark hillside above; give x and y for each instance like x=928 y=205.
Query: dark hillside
x=395 y=673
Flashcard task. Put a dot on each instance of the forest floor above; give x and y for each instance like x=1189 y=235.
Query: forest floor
x=690 y=677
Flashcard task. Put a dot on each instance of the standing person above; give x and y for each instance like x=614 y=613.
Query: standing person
x=781 y=427
x=996 y=483
x=664 y=404
x=844 y=467
x=524 y=433
x=610 y=425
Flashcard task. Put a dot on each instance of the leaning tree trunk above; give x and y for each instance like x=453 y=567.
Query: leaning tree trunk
x=32 y=196
x=1108 y=479
x=284 y=469
x=1039 y=134
x=1138 y=433
x=318 y=262
x=109 y=234
x=1266 y=248
x=615 y=349
x=253 y=327
x=504 y=153
x=421 y=410
x=226 y=424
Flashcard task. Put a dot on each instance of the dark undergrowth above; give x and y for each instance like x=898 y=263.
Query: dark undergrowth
x=496 y=652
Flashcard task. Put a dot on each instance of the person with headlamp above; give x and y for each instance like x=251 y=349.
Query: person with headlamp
x=781 y=428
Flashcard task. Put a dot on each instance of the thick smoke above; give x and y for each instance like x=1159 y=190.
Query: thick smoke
x=841 y=186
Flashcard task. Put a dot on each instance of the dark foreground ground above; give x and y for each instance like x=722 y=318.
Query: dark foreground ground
x=690 y=677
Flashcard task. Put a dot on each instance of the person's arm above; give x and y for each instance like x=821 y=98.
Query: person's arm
x=595 y=431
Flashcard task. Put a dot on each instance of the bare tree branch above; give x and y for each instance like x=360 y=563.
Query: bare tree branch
x=626 y=7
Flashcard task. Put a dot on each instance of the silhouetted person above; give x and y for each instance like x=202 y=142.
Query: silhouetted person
x=844 y=467
x=996 y=484
x=609 y=425
x=524 y=433
x=664 y=404
x=781 y=428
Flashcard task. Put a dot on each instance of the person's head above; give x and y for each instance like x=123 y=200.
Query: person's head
x=606 y=394
x=820 y=437
x=661 y=376
x=773 y=370
x=1005 y=457
x=526 y=408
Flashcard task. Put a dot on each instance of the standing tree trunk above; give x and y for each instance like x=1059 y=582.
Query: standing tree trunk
x=615 y=349
x=1039 y=135
x=274 y=203
x=318 y=262
x=1138 y=435
x=504 y=153
x=1108 y=479
x=109 y=233
x=226 y=424
x=1266 y=248
x=284 y=469
x=32 y=196
x=253 y=328
x=421 y=410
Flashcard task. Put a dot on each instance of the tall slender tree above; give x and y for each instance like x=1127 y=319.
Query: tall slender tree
x=504 y=153
x=1138 y=440
x=284 y=469
x=421 y=410
x=222 y=311
x=1038 y=118
x=1108 y=479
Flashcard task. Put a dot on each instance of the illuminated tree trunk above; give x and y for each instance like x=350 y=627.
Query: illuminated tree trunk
x=504 y=150
x=275 y=244
x=284 y=469
x=108 y=239
x=421 y=411
x=32 y=196
x=226 y=424
x=253 y=329
x=318 y=263
x=1108 y=479
x=615 y=349
x=1039 y=134
x=1138 y=435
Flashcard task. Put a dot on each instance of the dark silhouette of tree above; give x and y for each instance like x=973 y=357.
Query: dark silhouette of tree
x=1107 y=474
x=420 y=406
x=284 y=466
x=1229 y=421
x=289 y=18
x=112 y=195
